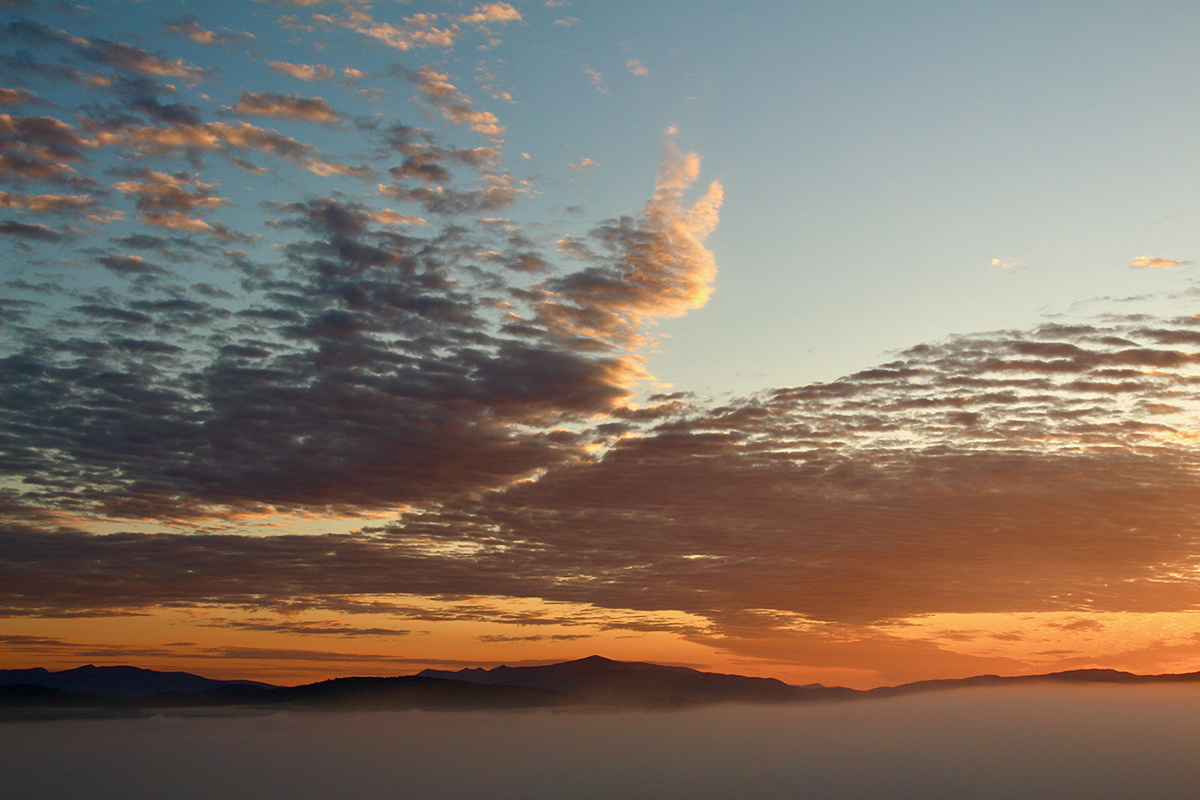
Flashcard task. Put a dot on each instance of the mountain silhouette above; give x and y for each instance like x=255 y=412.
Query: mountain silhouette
x=586 y=682
x=115 y=682
x=602 y=680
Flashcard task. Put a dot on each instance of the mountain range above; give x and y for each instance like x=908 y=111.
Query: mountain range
x=592 y=681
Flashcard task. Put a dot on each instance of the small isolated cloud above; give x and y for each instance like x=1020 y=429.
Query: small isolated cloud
x=1004 y=264
x=305 y=72
x=491 y=12
x=596 y=78
x=1150 y=262
x=636 y=66
x=292 y=23
x=127 y=266
x=288 y=106
x=23 y=230
x=586 y=163
x=567 y=22
x=190 y=28
x=491 y=84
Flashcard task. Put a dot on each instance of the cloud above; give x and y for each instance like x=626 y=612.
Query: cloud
x=287 y=106
x=39 y=149
x=454 y=105
x=47 y=203
x=586 y=163
x=217 y=136
x=1148 y=262
x=1005 y=473
x=635 y=66
x=192 y=29
x=303 y=627
x=596 y=78
x=35 y=231
x=419 y=30
x=656 y=266
x=118 y=55
x=126 y=266
x=490 y=12
x=168 y=201
x=304 y=72
x=351 y=296
x=491 y=84
x=16 y=97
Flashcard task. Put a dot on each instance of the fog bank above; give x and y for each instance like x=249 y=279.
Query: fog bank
x=1039 y=742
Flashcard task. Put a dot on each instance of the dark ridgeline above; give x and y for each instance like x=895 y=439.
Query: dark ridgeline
x=587 y=682
x=115 y=682
x=601 y=680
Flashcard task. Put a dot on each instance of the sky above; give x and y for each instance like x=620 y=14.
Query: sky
x=840 y=343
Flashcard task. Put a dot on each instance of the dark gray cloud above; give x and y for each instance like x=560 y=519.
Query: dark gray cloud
x=937 y=483
x=370 y=361
x=34 y=230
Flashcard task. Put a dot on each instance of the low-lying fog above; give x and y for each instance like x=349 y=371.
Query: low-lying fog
x=1041 y=742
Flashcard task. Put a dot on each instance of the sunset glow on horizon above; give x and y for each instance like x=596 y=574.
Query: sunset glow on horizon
x=852 y=345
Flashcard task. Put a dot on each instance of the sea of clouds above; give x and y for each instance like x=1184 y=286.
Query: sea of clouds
x=1040 y=742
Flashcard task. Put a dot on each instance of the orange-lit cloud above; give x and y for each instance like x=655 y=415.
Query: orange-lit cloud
x=16 y=97
x=491 y=12
x=653 y=267
x=454 y=105
x=288 y=106
x=41 y=203
x=192 y=29
x=1148 y=262
x=304 y=72
x=419 y=30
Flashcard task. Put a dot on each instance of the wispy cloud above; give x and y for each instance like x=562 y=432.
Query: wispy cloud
x=419 y=30
x=189 y=27
x=454 y=105
x=596 y=78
